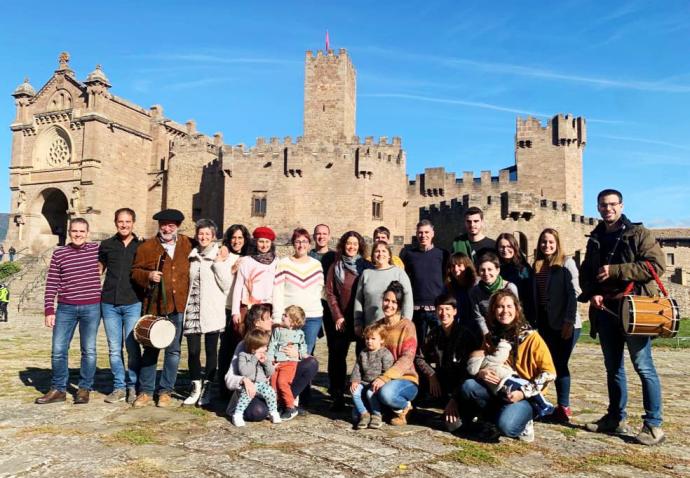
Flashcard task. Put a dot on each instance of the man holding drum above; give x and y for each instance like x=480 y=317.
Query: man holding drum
x=172 y=282
x=615 y=265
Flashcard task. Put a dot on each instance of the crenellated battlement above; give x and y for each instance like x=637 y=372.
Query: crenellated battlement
x=328 y=55
x=561 y=130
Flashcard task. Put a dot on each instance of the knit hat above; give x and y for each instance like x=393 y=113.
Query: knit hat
x=264 y=232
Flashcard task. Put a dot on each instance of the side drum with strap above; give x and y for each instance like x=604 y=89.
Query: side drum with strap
x=151 y=330
x=650 y=316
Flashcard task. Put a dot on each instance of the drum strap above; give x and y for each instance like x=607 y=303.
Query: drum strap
x=656 y=278
x=158 y=294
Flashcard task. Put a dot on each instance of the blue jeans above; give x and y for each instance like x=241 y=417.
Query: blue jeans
x=476 y=400
x=371 y=400
x=67 y=317
x=613 y=341
x=396 y=393
x=171 y=360
x=311 y=329
x=116 y=319
x=424 y=320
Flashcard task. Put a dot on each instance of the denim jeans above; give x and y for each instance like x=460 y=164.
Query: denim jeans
x=119 y=321
x=424 y=320
x=396 y=393
x=171 y=360
x=371 y=400
x=613 y=341
x=561 y=350
x=67 y=317
x=311 y=329
x=510 y=418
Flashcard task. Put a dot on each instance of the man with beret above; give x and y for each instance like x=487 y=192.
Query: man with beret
x=173 y=285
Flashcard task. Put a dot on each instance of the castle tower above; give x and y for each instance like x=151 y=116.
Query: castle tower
x=549 y=159
x=329 y=97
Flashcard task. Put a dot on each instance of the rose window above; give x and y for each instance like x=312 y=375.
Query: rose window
x=58 y=153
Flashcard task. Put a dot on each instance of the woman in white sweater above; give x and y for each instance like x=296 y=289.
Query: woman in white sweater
x=209 y=282
x=373 y=282
x=299 y=281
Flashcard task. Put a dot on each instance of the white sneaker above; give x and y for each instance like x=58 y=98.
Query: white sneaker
x=194 y=394
x=238 y=420
x=275 y=417
x=527 y=434
x=205 y=398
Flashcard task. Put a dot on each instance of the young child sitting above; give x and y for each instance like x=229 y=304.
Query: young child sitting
x=254 y=365
x=373 y=361
x=289 y=333
x=508 y=378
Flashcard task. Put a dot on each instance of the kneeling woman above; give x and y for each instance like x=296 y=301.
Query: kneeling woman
x=398 y=385
x=530 y=359
x=259 y=317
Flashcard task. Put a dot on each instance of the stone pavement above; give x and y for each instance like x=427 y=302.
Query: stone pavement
x=99 y=439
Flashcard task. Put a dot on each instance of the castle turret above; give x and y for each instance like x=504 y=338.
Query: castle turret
x=549 y=159
x=329 y=97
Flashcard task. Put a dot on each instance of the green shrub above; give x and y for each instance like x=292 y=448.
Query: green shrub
x=8 y=268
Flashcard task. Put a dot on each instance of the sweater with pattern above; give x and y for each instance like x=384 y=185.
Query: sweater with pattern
x=298 y=283
x=401 y=341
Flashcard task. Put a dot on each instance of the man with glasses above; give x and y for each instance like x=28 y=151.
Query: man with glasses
x=616 y=264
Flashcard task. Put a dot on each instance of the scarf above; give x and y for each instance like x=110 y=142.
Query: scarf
x=265 y=258
x=462 y=244
x=351 y=264
x=498 y=284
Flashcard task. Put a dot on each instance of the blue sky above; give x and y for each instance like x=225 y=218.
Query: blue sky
x=449 y=77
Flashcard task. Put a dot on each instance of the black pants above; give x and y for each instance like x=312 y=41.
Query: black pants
x=3 y=310
x=338 y=348
x=228 y=343
x=194 y=355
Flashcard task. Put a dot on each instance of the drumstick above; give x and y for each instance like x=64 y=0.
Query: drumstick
x=606 y=309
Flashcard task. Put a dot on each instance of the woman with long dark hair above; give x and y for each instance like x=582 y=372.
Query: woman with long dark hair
x=461 y=276
x=238 y=241
x=341 y=285
x=516 y=269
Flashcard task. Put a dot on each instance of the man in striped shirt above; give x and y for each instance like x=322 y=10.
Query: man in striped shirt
x=74 y=279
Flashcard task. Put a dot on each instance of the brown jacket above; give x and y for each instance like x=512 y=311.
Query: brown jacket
x=175 y=273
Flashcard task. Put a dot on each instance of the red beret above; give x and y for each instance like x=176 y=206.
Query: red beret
x=264 y=232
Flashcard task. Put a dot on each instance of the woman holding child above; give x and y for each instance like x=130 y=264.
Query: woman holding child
x=397 y=386
x=259 y=317
x=509 y=409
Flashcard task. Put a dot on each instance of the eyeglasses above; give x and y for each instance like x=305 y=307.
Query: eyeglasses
x=605 y=205
x=301 y=243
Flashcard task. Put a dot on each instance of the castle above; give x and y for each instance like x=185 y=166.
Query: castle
x=79 y=150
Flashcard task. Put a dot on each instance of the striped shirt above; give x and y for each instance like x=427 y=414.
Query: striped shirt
x=298 y=283
x=542 y=278
x=73 y=277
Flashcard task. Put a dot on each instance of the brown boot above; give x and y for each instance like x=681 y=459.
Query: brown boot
x=82 y=397
x=142 y=400
x=164 y=400
x=53 y=396
x=400 y=417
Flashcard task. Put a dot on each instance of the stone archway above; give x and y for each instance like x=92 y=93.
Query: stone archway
x=55 y=215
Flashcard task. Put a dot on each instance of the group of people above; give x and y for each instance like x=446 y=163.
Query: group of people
x=480 y=332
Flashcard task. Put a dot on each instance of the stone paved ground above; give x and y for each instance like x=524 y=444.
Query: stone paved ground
x=99 y=439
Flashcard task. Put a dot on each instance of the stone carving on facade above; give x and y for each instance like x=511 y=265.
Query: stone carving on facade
x=58 y=153
x=75 y=200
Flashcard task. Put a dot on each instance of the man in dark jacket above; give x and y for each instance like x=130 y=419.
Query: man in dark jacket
x=616 y=264
x=173 y=284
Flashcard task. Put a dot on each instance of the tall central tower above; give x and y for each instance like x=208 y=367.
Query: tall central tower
x=330 y=90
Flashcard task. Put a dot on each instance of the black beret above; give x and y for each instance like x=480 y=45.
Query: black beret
x=169 y=215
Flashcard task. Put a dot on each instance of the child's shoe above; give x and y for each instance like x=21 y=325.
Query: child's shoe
x=376 y=421
x=363 y=421
x=238 y=420
x=275 y=417
x=289 y=414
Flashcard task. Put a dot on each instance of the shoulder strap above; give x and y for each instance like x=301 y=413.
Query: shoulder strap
x=656 y=278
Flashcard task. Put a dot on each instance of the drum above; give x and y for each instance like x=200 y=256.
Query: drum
x=651 y=316
x=152 y=331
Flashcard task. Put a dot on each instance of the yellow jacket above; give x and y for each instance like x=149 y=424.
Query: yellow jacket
x=533 y=357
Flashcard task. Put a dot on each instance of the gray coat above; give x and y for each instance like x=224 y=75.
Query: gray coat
x=249 y=366
x=371 y=365
x=562 y=289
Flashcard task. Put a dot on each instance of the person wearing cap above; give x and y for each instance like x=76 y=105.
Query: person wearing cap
x=255 y=276
x=173 y=282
